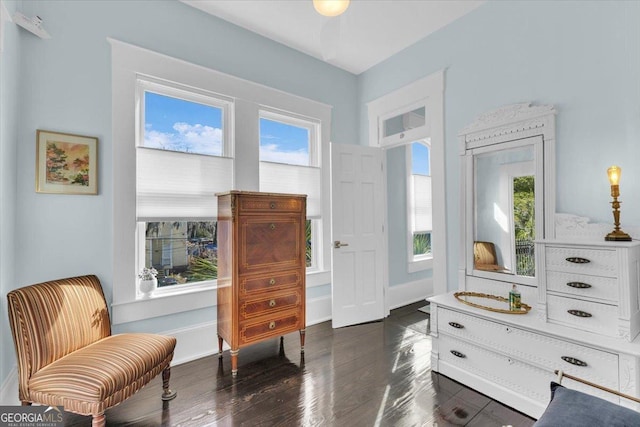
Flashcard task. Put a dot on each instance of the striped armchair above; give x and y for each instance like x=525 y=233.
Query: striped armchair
x=67 y=356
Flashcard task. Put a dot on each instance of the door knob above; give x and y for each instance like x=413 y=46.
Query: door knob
x=338 y=244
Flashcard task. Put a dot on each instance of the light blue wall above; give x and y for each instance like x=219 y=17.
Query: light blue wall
x=9 y=63
x=65 y=85
x=582 y=57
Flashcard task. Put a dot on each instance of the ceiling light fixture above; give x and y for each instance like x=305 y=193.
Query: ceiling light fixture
x=330 y=7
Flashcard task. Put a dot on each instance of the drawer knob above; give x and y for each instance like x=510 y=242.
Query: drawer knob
x=272 y=205
x=272 y=226
x=272 y=281
x=574 y=361
x=272 y=303
x=272 y=325
x=458 y=354
x=578 y=285
x=577 y=260
x=456 y=325
x=579 y=313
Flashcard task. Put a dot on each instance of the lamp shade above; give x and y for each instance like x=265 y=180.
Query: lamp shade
x=614 y=173
x=330 y=7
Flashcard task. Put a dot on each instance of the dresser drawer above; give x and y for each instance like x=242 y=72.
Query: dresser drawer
x=272 y=282
x=268 y=244
x=540 y=350
x=508 y=372
x=269 y=304
x=599 y=262
x=582 y=285
x=520 y=377
x=252 y=331
x=267 y=204
x=603 y=318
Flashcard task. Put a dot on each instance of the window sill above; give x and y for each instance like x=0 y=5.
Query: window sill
x=162 y=304
x=423 y=264
x=166 y=302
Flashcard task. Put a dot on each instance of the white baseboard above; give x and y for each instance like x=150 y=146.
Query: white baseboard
x=407 y=293
x=318 y=310
x=9 y=389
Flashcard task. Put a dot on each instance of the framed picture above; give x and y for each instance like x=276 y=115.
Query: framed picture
x=66 y=163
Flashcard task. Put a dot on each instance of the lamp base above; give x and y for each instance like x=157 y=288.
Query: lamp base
x=617 y=236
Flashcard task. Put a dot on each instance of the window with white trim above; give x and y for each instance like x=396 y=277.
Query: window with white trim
x=176 y=183
x=183 y=159
x=290 y=163
x=420 y=200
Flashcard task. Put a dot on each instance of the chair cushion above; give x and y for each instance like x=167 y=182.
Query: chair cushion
x=99 y=371
x=571 y=408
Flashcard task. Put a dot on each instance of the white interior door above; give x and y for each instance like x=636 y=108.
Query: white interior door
x=357 y=234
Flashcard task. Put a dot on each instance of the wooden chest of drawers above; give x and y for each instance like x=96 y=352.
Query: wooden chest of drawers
x=593 y=287
x=261 y=268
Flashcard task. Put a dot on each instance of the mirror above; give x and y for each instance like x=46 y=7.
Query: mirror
x=508 y=173
x=505 y=210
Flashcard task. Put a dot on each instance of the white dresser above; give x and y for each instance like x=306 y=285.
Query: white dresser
x=512 y=357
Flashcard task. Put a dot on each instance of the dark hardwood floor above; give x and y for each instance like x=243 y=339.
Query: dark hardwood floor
x=366 y=375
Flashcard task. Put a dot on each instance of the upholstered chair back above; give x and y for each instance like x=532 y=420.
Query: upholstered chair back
x=52 y=319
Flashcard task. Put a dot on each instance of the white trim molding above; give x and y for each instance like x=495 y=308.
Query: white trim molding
x=407 y=293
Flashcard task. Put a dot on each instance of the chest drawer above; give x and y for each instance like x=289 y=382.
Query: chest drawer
x=540 y=350
x=269 y=304
x=599 y=262
x=273 y=243
x=588 y=316
x=253 y=331
x=581 y=285
x=272 y=282
x=271 y=204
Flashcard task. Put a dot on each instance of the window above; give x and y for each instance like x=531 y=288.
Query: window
x=289 y=163
x=415 y=113
x=193 y=132
x=183 y=140
x=523 y=211
x=419 y=198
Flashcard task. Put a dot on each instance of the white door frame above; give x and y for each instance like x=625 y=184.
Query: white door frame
x=428 y=91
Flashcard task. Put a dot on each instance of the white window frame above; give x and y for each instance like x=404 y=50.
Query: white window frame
x=196 y=95
x=428 y=92
x=129 y=63
x=424 y=261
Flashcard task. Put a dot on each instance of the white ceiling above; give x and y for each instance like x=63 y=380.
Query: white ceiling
x=369 y=32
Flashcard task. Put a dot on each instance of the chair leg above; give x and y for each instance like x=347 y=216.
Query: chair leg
x=167 y=394
x=99 y=421
x=25 y=403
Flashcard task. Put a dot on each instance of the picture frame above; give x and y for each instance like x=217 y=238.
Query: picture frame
x=66 y=163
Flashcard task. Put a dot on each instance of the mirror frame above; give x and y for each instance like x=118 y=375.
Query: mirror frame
x=508 y=127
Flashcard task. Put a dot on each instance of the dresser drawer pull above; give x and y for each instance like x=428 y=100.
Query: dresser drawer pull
x=272 y=325
x=458 y=354
x=272 y=281
x=456 y=325
x=579 y=313
x=578 y=260
x=272 y=303
x=574 y=361
x=578 y=285
x=272 y=205
x=272 y=226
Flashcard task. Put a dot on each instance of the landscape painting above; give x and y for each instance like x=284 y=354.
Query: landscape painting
x=66 y=163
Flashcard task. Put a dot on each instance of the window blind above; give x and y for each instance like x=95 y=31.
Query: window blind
x=292 y=179
x=421 y=204
x=173 y=185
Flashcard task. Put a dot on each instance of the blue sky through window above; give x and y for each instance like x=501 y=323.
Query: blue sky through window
x=283 y=143
x=178 y=125
x=420 y=164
